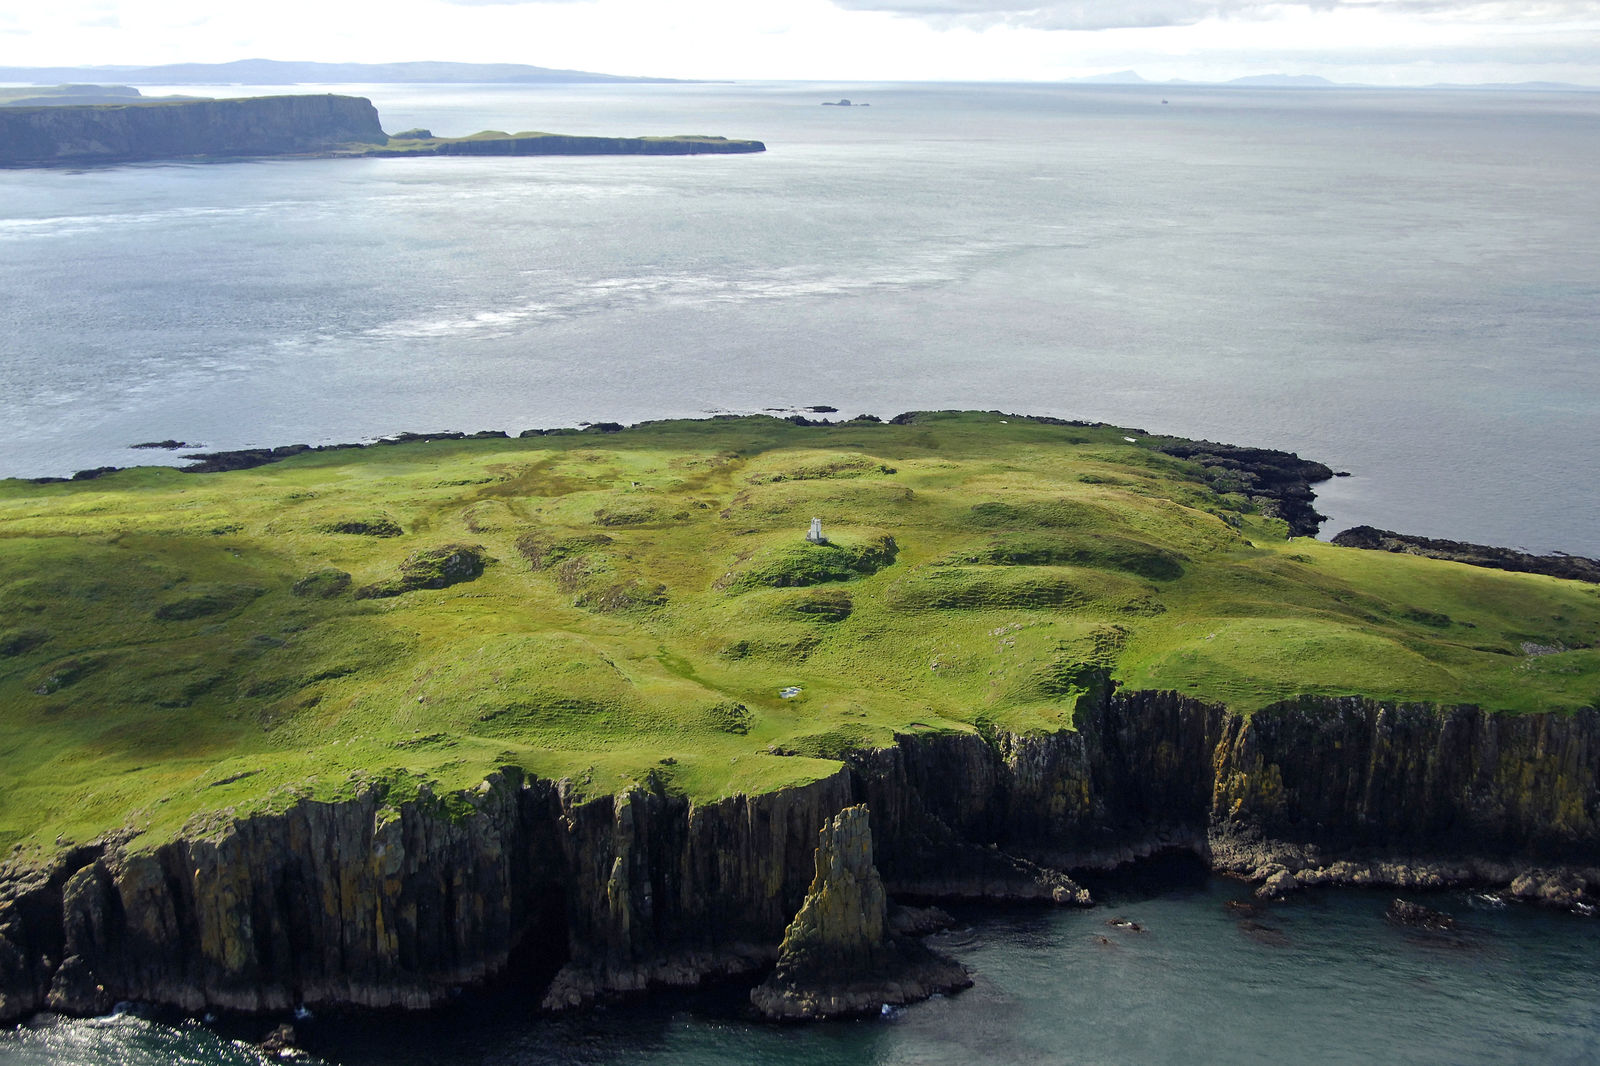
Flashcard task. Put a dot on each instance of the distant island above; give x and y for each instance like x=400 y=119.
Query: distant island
x=64 y=95
x=496 y=142
x=135 y=130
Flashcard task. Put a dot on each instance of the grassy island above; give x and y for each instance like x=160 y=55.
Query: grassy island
x=641 y=606
x=498 y=142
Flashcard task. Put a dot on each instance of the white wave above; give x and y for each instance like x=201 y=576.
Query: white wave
x=560 y=297
x=72 y=225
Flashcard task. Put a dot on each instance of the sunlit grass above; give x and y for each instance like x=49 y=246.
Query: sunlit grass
x=176 y=645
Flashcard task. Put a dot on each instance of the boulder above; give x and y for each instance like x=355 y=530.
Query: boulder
x=1416 y=916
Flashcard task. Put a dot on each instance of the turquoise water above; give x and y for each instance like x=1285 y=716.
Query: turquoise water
x=1322 y=979
x=1401 y=284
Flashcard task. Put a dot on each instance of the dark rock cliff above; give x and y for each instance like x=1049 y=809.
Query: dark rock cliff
x=665 y=892
x=839 y=956
x=1357 y=792
x=269 y=125
x=396 y=904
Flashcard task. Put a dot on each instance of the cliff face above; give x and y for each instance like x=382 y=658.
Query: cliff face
x=1134 y=779
x=385 y=905
x=1318 y=780
x=661 y=891
x=31 y=136
x=354 y=902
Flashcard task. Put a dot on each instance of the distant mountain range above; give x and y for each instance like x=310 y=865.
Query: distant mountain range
x=275 y=72
x=1130 y=77
x=1312 y=81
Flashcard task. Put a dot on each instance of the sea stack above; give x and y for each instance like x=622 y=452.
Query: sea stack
x=838 y=956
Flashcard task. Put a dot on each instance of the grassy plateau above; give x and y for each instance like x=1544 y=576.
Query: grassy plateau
x=642 y=607
x=536 y=142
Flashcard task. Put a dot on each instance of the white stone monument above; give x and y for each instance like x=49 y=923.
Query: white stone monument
x=814 y=534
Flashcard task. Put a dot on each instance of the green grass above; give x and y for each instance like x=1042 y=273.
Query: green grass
x=178 y=649
x=420 y=146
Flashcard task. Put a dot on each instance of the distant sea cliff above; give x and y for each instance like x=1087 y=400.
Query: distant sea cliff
x=330 y=125
x=136 y=132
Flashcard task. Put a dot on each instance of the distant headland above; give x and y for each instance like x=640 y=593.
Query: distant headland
x=64 y=95
x=136 y=130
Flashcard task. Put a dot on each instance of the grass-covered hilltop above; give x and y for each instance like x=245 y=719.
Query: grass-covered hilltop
x=641 y=608
x=365 y=726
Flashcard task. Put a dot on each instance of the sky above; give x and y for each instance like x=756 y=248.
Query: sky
x=1384 y=42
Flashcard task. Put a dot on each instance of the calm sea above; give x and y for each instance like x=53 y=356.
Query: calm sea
x=1402 y=284
x=1322 y=980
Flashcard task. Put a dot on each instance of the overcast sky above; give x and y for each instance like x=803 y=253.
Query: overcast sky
x=1377 y=41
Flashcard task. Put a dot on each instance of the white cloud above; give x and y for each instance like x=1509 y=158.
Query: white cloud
x=847 y=40
x=1115 y=14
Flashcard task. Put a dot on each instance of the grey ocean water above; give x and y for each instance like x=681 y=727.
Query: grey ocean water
x=1323 y=979
x=1402 y=284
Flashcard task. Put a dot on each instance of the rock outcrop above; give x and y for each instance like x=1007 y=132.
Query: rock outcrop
x=1277 y=482
x=1416 y=916
x=1571 y=567
x=124 y=133
x=839 y=956
x=383 y=901
x=665 y=892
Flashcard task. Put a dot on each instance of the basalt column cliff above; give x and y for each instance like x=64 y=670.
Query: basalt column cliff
x=393 y=904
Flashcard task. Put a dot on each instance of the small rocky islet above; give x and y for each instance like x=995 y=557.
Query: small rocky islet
x=365 y=726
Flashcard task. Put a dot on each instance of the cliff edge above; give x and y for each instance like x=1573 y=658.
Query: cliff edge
x=392 y=900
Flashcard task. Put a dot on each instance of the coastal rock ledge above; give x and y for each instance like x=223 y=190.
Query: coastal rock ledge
x=838 y=956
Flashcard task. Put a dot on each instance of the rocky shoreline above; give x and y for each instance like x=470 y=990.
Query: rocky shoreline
x=1279 y=868
x=1569 y=567
x=398 y=905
